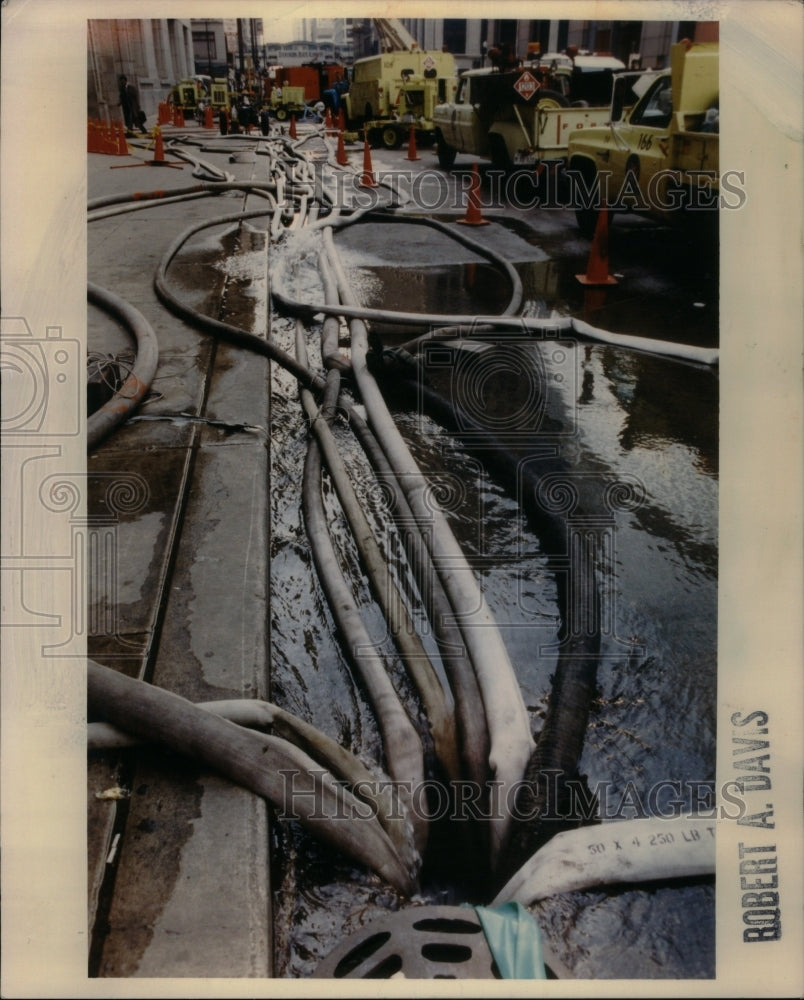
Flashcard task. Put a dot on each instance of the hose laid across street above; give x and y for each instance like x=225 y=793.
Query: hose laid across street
x=133 y=390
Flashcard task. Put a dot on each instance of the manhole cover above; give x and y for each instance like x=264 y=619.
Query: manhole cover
x=423 y=942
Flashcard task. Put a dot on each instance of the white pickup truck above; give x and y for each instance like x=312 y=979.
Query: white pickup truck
x=512 y=119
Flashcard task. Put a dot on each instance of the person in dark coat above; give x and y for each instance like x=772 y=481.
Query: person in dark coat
x=125 y=105
x=133 y=115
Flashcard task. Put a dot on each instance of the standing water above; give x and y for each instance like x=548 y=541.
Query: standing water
x=637 y=437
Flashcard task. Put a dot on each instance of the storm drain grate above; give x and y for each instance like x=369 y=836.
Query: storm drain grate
x=435 y=942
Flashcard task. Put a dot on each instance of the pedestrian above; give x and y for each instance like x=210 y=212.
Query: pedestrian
x=125 y=105
x=136 y=114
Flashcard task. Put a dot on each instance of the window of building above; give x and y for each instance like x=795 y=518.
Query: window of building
x=455 y=34
x=204 y=47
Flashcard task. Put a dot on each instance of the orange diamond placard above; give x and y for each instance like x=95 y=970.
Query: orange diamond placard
x=526 y=85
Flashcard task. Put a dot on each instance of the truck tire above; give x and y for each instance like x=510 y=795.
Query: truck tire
x=551 y=99
x=500 y=157
x=585 y=215
x=391 y=137
x=281 y=114
x=446 y=153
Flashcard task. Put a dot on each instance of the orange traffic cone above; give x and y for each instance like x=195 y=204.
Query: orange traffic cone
x=412 y=151
x=341 y=158
x=208 y=120
x=341 y=120
x=328 y=119
x=597 y=268
x=367 y=178
x=473 y=215
x=293 y=133
x=122 y=145
x=159 y=146
x=95 y=143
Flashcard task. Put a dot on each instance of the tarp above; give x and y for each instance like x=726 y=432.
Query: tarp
x=514 y=940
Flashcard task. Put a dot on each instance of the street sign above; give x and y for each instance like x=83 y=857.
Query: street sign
x=526 y=85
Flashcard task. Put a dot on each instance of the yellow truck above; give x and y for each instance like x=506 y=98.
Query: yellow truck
x=393 y=91
x=660 y=157
x=190 y=92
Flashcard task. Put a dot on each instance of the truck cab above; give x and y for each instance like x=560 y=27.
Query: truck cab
x=662 y=154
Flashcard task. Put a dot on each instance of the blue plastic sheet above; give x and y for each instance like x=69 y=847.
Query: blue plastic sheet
x=514 y=940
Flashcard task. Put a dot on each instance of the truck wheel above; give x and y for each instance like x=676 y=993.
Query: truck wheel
x=281 y=114
x=446 y=153
x=391 y=137
x=500 y=157
x=585 y=215
x=551 y=99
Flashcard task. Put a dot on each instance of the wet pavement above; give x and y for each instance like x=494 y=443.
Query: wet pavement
x=207 y=588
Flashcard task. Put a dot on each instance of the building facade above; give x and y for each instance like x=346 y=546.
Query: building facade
x=152 y=54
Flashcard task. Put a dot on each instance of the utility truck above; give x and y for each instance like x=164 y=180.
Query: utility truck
x=190 y=92
x=661 y=157
x=523 y=113
x=398 y=89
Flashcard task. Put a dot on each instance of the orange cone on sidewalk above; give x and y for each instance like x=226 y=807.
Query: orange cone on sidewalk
x=159 y=146
x=208 y=119
x=328 y=119
x=474 y=216
x=341 y=158
x=597 y=269
x=413 y=153
x=109 y=140
x=293 y=133
x=122 y=145
x=367 y=177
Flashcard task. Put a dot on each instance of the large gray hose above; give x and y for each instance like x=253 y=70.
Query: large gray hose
x=634 y=850
x=251 y=759
x=470 y=721
x=403 y=749
x=506 y=717
x=131 y=393
x=550 y=327
x=417 y=662
x=364 y=784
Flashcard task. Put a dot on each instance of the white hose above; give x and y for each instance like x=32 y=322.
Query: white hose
x=506 y=715
x=131 y=393
x=634 y=850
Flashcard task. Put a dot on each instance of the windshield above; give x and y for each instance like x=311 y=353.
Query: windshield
x=657 y=108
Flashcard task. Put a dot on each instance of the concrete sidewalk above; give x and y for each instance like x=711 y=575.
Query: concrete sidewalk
x=177 y=594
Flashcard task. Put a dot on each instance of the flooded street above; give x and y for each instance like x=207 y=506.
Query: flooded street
x=620 y=421
x=578 y=480
x=402 y=430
